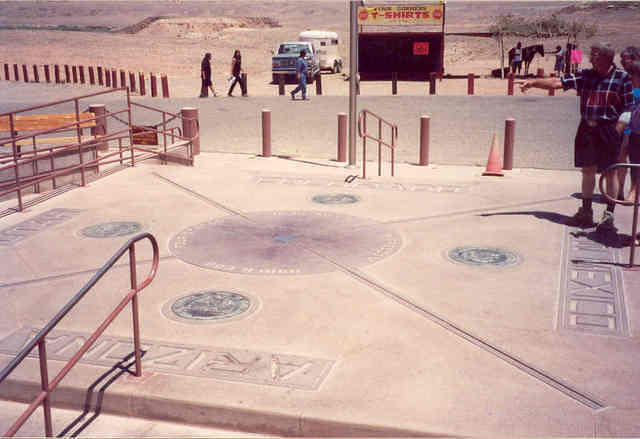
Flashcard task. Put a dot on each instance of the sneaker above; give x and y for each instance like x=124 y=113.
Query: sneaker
x=293 y=96
x=582 y=218
x=607 y=222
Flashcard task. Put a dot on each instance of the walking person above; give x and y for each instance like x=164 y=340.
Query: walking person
x=301 y=72
x=627 y=58
x=516 y=62
x=205 y=75
x=605 y=95
x=634 y=136
x=236 y=74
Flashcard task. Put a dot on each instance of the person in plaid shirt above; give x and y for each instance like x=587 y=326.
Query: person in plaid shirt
x=605 y=93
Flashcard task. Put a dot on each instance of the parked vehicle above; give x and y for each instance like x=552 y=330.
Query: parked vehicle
x=327 y=44
x=284 y=60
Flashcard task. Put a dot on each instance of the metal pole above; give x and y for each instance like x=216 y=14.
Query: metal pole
x=424 y=140
x=353 y=77
x=509 y=138
x=342 y=137
x=266 y=133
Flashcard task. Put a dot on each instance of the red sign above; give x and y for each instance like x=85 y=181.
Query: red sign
x=421 y=48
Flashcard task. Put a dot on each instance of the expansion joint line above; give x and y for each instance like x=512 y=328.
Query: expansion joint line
x=546 y=378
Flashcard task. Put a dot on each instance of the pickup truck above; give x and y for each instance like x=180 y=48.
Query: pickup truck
x=284 y=61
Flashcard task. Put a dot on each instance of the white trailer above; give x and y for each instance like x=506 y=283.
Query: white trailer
x=327 y=45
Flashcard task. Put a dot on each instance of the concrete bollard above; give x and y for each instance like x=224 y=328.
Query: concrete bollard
x=99 y=111
x=74 y=71
x=470 y=78
x=132 y=82
x=25 y=74
x=191 y=127
x=114 y=78
x=509 y=137
x=81 y=71
x=92 y=76
x=510 y=85
x=165 y=86
x=266 y=133
x=394 y=83
x=56 y=71
x=432 y=83
x=36 y=76
x=342 y=137
x=154 y=86
x=143 y=90
x=424 y=140
x=47 y=74
x=280 y=85
x=318 y=84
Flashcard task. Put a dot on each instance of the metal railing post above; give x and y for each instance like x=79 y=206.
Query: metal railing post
x=15 y=160
x=44 y=385
x=130 y=128
x=134 y=308
x=79 y=133
x=380 y=147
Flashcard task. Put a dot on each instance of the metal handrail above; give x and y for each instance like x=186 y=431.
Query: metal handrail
x=40 y=341
x=362 y=121
x=635 y=203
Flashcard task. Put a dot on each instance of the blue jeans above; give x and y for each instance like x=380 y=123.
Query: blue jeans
x=302 y=85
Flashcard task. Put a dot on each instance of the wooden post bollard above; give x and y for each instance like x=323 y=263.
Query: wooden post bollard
x=132 y=82
x=25 y=73
x=143 y=90
x=470 y=78
x=432 y=83
x=100 y=81
x=36 y=76
x=56 y=72
x=114 y=78
x=107 y=78
x=74 y=71
x=280 y=85
x=6 y=72
x=509 y=137
x=342 y=137
x=81 y=72
x=100 y=129
x=92 y=76
x=394 y=83
x=47 y=74
x=154 y=86
x=319 y=84
x=243 y=84
x=191 y=127
x=424 y=140
x=266 y=133
x=67 y=74
x=510 y=85
x=16 y=75
x=165 y=86
x=123 y=78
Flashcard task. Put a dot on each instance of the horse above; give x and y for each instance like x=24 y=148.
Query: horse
x=527 y=55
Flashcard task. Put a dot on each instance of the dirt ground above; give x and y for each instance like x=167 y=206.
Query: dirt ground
x=175 y=43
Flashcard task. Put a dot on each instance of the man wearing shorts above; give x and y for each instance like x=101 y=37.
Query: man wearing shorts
x=605 y=94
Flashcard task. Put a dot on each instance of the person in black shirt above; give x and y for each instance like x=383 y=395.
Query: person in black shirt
x=205 y=75
x=236 y=73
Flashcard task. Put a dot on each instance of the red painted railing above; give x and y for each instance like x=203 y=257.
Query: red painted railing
x=635 y=203
x=362 y=131
x=47 y=386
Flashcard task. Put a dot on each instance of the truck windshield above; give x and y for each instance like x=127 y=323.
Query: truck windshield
x=293 y=49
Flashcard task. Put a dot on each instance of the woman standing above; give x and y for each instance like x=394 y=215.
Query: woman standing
x=559 y=66
x=205 y=75
x=236 y=73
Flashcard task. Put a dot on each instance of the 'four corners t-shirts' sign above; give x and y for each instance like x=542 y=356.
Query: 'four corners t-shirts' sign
x=394 y=15
x=420 y=48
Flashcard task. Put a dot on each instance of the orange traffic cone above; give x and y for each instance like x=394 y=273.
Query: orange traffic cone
x=494 y=165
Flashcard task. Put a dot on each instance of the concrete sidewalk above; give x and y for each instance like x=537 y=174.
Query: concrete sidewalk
x=436 y=303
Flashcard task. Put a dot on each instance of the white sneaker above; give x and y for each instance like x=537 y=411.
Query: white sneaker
x=606 y=224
